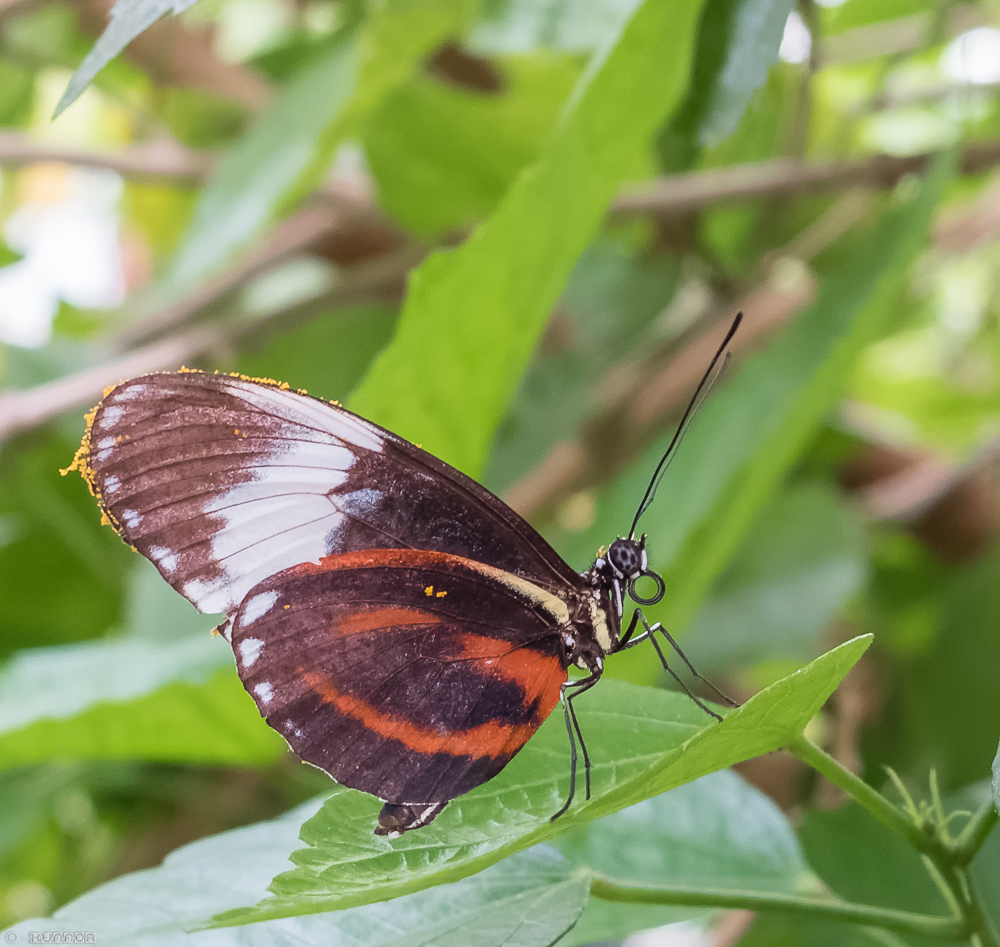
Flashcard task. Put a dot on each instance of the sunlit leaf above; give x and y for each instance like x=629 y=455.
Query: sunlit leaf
x=642 y=741
x=473 y=315
x=175 y=700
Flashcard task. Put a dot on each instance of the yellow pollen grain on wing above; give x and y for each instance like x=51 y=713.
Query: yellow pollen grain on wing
x=441 y=594
x=287 y=607
x=429 y=591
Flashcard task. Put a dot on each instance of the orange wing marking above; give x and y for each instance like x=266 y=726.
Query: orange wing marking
x=487 y=739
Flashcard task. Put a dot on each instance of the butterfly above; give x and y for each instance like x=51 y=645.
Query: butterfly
x=399 y=625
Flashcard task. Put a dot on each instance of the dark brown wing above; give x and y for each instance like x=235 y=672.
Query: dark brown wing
x=411 y=675
x=224 y=481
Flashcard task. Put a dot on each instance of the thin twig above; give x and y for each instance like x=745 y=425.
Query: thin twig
x=326 y=214
x=164 y=159
x=684 y=193
x=380 y=281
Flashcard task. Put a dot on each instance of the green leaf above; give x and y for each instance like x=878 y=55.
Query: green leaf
x=7 y=255
x=523 y=26
x=757 y=28
x=129 y=18
x=60 y=570
x=996 y=780
x=473 y=315
x=642 y=741
x=443 y=156
x=717 y=832
x=530 y=900
x=142 y=699
x=616 y=290
x=804 y=558
x=863 y=861
x=327 y=356
x=948 y=713
x=752 y=430
x=287 y=152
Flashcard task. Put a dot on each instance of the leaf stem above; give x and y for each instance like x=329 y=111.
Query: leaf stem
x=947 y=928
x=972 y=837
x=867 y=797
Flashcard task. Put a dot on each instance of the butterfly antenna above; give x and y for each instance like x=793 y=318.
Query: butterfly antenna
x=697 y=399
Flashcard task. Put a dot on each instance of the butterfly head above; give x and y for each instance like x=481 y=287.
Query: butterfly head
x=620 y=567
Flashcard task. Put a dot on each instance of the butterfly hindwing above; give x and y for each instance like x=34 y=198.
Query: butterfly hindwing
x=224 y=481
x=409 y=674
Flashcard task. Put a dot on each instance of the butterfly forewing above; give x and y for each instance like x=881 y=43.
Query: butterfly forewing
x=409 y=674
x=224 y=481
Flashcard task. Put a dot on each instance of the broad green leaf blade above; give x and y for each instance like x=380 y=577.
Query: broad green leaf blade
x=528 y=901
x=757 y=28
x=717 y=832
x=474 y=314
x=443 y=156
x=129 y=18
x=642 y=741
x=178 y=701
x=287 y=152
x=751 y=431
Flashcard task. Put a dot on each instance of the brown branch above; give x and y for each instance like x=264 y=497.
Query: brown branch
x=155 y=159
x=895 y=36
x=684 y=193
x=343 y=211
x=382 y=280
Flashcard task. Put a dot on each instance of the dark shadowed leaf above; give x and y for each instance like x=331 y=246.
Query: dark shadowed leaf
x=801 y=562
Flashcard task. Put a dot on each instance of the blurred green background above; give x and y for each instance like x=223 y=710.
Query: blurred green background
x=248 y=187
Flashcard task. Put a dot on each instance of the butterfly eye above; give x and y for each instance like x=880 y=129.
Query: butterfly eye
x=626 y=556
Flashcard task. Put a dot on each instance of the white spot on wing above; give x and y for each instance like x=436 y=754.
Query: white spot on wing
x=250 y=651
x=111 y=484
x=264 y=691
x=288 y=513
x=259 y=605
x=131 y=393
x=112 y=415
x=132 y=518
x=164 y=558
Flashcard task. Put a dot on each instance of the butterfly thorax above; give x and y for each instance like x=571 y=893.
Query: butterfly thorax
x=593 y=628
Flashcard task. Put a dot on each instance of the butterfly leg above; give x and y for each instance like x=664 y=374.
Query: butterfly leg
x=650 y=633
x=573 y=726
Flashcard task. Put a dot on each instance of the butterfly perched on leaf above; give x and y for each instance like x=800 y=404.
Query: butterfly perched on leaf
x=399 y=625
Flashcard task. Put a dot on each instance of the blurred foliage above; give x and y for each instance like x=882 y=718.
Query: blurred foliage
x=839 y=480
